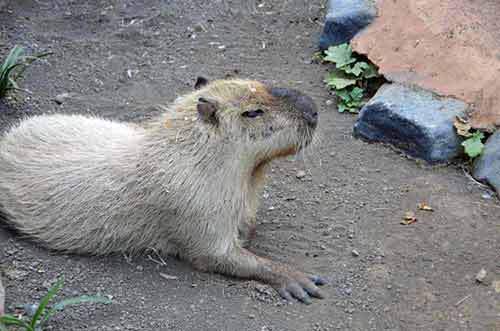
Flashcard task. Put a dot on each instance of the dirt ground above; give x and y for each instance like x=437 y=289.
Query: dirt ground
x=121 y=57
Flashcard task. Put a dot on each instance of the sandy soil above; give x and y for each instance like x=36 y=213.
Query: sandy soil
x=121 y=57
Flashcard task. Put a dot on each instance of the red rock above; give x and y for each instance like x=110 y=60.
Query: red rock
x=451 y=47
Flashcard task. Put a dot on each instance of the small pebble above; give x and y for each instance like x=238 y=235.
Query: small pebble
x=300 y=174
x=60 y=98
x=486 y=195
x=481 y=275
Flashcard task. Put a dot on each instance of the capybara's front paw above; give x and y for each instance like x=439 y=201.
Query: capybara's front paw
x=295 y=284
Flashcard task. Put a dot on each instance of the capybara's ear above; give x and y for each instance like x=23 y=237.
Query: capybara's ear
x=200 y=82
x=207 y=109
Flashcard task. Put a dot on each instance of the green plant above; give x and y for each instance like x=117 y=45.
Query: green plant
x=13 y=68
x=473 y=145
x=43 y=312
x=350 y=77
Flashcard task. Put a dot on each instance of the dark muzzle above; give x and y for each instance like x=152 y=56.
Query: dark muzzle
x=301 y=102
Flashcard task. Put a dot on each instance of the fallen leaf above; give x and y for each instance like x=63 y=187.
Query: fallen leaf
x=168 y=124
x=462 y=126
x=424 y=206
x=409 y=218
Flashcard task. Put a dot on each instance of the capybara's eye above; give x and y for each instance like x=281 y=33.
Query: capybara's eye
x=253 y=113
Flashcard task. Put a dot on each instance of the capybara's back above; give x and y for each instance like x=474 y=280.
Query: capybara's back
x=54 y=174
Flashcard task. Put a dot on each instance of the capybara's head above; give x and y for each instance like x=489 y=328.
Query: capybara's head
x=259 y=121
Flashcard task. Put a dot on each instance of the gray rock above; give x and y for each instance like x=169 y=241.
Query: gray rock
x=487 y=166
x=413 y=120
x=344 y=19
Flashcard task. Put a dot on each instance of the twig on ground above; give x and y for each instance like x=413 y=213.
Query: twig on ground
x=459 y=302
x=468 y=175
x=161 y=260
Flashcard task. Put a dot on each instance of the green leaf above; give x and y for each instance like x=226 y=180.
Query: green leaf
x=357 y=94
x=14 y=66
x=343 y=94
x=370 y=72
x=46 y=299
x=339 y=82
x=357 y=69
x=341 y=55
x=12 y=58
x=12 y=320
x=73 y=301
x=341 y=107
x=355 y=104
x=474 y=146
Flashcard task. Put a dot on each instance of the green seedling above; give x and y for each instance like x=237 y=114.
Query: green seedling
x=13 y=69
x=473 y=145
x=44 y=312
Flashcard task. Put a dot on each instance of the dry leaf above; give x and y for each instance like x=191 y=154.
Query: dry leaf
x=168 y=124
x=409 y=218
x=462 y=126
x=424 y=206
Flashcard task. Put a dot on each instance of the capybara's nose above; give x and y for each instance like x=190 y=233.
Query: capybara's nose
x=301 y=102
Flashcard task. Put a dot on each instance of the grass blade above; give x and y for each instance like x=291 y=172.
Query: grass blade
x=12 y=58
x=16 y=60
x=26 y=61
x=12 y=320
x=73 y=301
x=46 y=299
